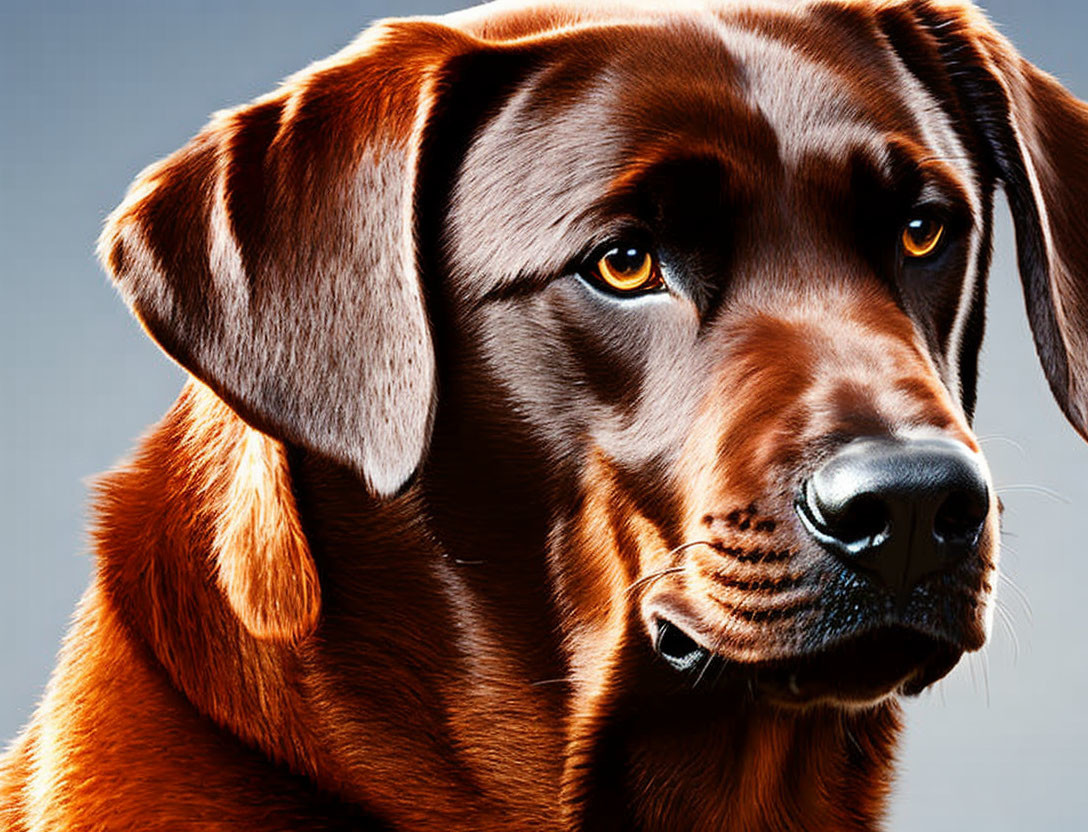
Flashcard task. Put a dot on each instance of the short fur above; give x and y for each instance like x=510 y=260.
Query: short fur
x=397 y=556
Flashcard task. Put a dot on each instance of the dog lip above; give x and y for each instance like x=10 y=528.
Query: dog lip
x=857 y=670
x=679 y=649
x=862 y=668
x=675 y=611
x=859 y=667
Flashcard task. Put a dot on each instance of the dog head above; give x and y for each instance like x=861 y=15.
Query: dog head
x=685 y=304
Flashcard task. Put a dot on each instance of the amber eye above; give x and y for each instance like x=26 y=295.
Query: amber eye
x=921 y=237
x=628 y=269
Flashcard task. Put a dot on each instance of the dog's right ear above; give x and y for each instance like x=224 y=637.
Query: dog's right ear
x=273 y=257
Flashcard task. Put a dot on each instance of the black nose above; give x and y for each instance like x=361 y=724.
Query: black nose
x=899 y=509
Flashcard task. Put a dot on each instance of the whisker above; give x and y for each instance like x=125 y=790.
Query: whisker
x=1036 y=489
x=674 y=552
x=971 y=670
x=984 y=660
x=1021 y=596
x=719 y=642
x=653 y=576
x=671 y=570
x=849 y=733
x=983 y=440
x=709 y=661
x=1005 y=619
x=722 y=665
x=560 y=681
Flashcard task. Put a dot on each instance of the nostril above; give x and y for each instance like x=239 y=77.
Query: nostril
x=850 y=525
x=960 y=518
x=863 y=522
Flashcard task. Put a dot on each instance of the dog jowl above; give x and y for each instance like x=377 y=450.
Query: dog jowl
x=579 y=434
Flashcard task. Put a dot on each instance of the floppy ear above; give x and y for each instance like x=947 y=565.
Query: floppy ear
x=262 y=559
x=1035 y=135
x=259 y=552
x=273 y=256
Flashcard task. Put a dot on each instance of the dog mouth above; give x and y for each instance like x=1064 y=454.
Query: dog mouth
x=861 y=669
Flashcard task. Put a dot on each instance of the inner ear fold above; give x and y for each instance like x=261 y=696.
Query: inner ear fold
x=1035 y=136
x=274 y=257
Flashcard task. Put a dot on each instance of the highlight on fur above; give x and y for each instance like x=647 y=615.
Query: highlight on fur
x=441 y=535
x=262 y=560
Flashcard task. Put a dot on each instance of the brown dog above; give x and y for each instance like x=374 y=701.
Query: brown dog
x=579 y=429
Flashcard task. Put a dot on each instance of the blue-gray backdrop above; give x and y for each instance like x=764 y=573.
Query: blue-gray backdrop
x=91 y=92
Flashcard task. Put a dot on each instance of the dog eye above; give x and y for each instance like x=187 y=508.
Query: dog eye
x=627 y=270
x=921 y=237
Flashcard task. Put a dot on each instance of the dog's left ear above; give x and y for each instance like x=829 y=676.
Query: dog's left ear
x=260 y=553
x=1042 y=150
x=274 y=255
x=1034 y=135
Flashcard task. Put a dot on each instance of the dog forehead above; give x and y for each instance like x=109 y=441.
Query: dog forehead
x=534 y=188
x=513 y=19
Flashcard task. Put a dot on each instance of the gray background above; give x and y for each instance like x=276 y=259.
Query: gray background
x=91 y=92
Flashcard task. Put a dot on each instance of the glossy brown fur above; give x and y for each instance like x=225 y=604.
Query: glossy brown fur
x=396 y=557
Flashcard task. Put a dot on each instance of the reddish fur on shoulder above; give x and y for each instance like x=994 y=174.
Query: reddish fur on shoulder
x=179 y=665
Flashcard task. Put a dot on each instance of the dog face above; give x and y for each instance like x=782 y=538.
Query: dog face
x=677 y=309
x=782 y=319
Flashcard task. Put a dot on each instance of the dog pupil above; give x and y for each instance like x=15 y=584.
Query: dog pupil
x=626 y=262
x=921 y=231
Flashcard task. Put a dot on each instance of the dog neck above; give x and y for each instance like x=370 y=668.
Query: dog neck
x=432 y=690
